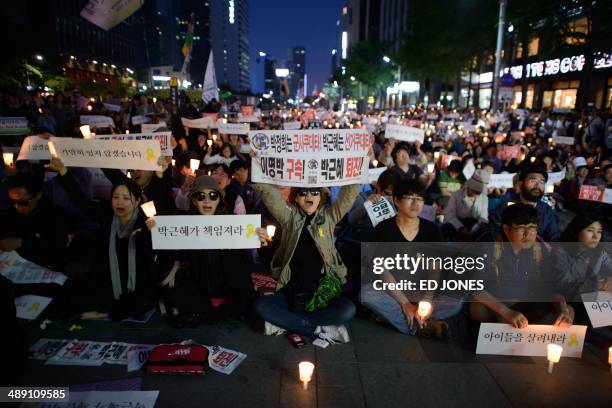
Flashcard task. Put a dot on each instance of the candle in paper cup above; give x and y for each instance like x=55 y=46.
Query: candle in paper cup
x=86 y=131
x=154 y=100
x=306 y=368
x=8 y=158
x=173 y=162
x=430 y=167
x=271 y=230
x=532 y=159
x=485 y=139
x=194 y=164
x=424 y=309
x=149 y=209
x=52 y=149
x=554 y=355
x=550 y=189
x=375 y=163
x=610 y=358
x=209 y=142
x=127 y=132
x=129 y=174
x=214 y=137
x=436 y=155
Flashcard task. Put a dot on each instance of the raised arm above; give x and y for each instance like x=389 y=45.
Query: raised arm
x=274 y=202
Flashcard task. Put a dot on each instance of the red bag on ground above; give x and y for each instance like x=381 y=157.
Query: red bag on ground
x=178 y=359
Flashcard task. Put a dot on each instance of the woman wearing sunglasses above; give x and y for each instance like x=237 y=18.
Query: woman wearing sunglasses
x=122 y=283
x=307 y=266
x=197 y=276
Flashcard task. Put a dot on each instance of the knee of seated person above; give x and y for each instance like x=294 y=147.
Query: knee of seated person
x=261 y=305
x=348 y=310
x=480 y=313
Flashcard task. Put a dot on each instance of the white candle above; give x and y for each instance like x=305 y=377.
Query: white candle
x=127 y=132
x=436 y=155
x=375 y=163
x=306 y=368
x=430 y=167
x=194 y=164
x=424 y=309
x=214 y=137
x=271 y=230
x=610 y=358
x=550 y=189
x=485 y=139
x=154 y=100
x=554 y=355
x=129 y=174
x=86 y=131
x=532 y=159
x=149 y=209
x=8 y=158
x=52 y=149
x=209 y=142
x=173 y=162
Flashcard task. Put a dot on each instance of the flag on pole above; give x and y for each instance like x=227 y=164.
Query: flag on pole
x=188 y=39
x=210 y=90
x=107 y=14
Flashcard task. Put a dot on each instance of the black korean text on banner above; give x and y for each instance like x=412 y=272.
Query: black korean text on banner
x=164 y=139
x=315 y=157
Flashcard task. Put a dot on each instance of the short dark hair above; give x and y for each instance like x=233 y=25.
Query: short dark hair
x=388 y=178
x=224 y=167
x=30 y=183
x=405 y=187
x=130 y=185
x=528 y=169
x=520 y=214
x=238 y=164
x=399 y=146
x=455 y=166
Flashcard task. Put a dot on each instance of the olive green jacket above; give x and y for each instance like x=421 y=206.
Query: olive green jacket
x=321 y=229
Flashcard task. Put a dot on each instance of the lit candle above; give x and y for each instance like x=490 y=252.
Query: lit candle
x=532 y=159
x=154 y=100
x=485 y=139
x=550 y=189
x=149 y=209
x=511 y=203
x=430 y=167
x=89 y=108
x=209 y=142
x=436 y=155
x=8 y=158
x=86 y=131
x=271 y=230
x=375 y=163
x=554 y=355
x=127 y=132
x=129 y=174
x=52 y=149
x=424 y=309
x=215 y=137
x=610 y=358
x=194 y=164
x=306 y=369
x=173 y=162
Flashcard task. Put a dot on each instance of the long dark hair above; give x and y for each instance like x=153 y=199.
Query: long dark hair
x=577 y=224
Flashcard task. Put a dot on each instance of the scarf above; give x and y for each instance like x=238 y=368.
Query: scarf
x=122 y=231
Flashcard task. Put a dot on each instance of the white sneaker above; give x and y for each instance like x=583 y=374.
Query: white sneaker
x=272 y=330
x=334 y=334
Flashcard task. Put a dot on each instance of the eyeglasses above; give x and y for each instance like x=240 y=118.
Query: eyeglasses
x=416 y=199
x=523 y=230
x=534 y=180
x=21 y=203
x=201 y=196
x=303 y=192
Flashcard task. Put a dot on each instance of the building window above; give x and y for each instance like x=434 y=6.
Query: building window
x=565 y=98
x=519 y=50
x=577 y=31
x=534 y=46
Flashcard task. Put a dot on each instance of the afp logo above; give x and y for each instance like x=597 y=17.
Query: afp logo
x=260 y=141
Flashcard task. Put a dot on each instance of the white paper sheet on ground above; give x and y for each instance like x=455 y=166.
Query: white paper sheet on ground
x=80 y=353
x=380 y=211
x=46 y=348
x=138 y=355
x=224 y=360
x=107 y=399
x=599 y=308
x=29 y=307
x=503 y=339
x=21 y=271
x=206 y=231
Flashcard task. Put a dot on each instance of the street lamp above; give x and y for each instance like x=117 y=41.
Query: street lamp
x=386 y=59
x=39 y=57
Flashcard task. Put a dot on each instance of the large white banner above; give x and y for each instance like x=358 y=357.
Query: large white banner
x=14 y=126
x=501 y=180
x=34 y=148
x=503 y=339
x=151 y=127
x=97 y=121
x=405 y=133
x=599 y=308
x=164 y=139
x=206 y=231
x=310 y=158
x=21 y=271
x=107 y=14
x=234 y=128
x=108 y=154
x=567 y=140
x=201 y=123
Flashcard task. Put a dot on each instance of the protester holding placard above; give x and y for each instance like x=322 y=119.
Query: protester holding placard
x=195 y=277
x=450 y=181
x=226 y=155
x=122 y=283
x=309 y=271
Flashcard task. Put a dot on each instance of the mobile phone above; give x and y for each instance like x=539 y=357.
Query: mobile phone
x=296 y=340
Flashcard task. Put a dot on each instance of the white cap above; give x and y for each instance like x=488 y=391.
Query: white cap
x=579 y=162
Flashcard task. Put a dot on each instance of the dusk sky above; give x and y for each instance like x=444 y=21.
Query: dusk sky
x=277 y=25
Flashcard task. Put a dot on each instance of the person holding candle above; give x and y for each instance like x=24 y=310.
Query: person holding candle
x=393 y=305
x=198 y=276
x=309 y=271
x=226 y=155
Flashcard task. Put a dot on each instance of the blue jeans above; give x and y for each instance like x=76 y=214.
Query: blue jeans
x=275 y=309
x=381 y=303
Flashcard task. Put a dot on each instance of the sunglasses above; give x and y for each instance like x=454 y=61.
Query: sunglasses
x=201 y=196
x=303 y=192
x=21 y=203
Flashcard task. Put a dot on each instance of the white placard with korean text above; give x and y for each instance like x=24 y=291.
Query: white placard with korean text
x=140 y=119
x=200 y=123
x=34 y=148
x=501 y=180
x=111 y=107
x=556 y=177
x=503 y=339
x=206 y=231
x=233 y=128
x=108 y=154
x=21 y=271
x=29 y=307
x=599 y=308
x=164 y=139
x=310 y=158
x=13 y=126
x=248 y=118
x=405 y=133
x=107 y=399
x=566 y=140
x=374 y=174
x=97 y=121
x=151 y=127
x=292 y=125
x=380 y=211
